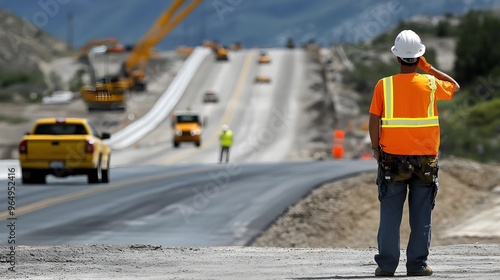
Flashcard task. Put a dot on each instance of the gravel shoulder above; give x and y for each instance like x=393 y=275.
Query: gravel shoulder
x=154 y=262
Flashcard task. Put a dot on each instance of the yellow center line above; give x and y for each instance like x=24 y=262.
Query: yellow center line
x=87 y=192
x=228 y=114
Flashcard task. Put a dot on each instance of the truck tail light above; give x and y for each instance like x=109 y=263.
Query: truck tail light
x=23 y=147
x=89 y=147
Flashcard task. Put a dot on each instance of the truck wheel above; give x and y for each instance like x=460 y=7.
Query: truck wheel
x=33 y=178
x=176 y=144
x=198 y=143
x=27 y=181
x=94 y=175
x=41 y=179
x=25 y=178
x=105 y=174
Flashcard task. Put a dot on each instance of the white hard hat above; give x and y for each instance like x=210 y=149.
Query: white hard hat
x=225 y=127
x=408 y=45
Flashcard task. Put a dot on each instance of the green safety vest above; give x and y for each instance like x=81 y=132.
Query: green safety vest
x=226 y=138
x=388 y=120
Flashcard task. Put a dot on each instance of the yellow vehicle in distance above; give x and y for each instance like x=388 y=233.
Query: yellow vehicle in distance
x=187 y=127
x=221 y=54
x=64 y=147
x=262 y=79
x=264 y=58
x=105 y=97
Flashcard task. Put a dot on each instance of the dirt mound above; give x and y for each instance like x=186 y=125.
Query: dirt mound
x=345 y=213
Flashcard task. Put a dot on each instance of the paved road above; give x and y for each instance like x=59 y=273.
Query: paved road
x=263 y=117
x=182 y=205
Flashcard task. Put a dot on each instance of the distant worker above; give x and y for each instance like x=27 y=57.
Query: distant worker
x=404 y=134
x=226 y=140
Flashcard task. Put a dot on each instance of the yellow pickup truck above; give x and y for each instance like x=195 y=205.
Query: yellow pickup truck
x=64 y=147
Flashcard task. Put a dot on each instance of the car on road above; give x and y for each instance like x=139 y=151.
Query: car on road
x=58 y=97
x=64 y=147
x=264 y=58
x=221 y=54
x=187 y=127
x=262 y=79
x=210 y=97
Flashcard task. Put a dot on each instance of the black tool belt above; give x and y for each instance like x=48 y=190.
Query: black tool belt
x=401 y=167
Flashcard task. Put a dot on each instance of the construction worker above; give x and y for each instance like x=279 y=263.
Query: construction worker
x=226 y=140
x=404 y=134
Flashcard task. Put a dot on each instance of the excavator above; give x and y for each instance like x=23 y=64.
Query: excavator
x=109 y=93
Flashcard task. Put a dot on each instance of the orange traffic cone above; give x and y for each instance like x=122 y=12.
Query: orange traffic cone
x=338 y=144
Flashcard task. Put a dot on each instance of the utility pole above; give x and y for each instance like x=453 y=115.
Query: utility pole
x=70 y=30
x=203 y=24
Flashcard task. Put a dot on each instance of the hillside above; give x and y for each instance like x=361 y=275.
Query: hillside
x=25 y=53
x=255 y=23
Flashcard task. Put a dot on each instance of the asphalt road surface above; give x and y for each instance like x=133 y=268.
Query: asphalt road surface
x=182 y=205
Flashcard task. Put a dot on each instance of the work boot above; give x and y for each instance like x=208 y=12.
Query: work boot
x=380 y=272
x=425 y=272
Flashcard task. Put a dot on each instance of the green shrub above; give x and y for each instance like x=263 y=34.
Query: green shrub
x=5 y=97
x=20 y=77
x=76 y=82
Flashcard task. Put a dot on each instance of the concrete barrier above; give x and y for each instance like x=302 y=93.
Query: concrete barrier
x=162 y=108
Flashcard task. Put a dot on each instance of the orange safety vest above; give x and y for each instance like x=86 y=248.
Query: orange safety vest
x=420 y=126
x=390 y=121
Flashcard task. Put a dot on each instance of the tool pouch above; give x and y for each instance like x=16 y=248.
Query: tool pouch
x=401 y=168
x=426 y=167
x=395 y=167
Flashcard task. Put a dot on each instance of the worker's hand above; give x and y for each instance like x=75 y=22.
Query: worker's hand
x=376 y=155
x=424 y=65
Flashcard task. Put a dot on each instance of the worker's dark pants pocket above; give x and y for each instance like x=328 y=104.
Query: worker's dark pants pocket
x=388 y=189
x=435 y=188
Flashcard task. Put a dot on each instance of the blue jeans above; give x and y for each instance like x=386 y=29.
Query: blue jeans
x=421 y=198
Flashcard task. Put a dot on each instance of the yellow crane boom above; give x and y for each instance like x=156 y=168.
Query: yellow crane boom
x=162 y=27
x=111 y=93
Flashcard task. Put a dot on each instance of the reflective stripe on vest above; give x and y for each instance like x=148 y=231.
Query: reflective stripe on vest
x=389 y=121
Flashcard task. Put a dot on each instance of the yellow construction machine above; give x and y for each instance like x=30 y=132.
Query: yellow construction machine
x=108 y=93
x=220 y=52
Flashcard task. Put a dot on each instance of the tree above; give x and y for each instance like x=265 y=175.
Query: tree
x=477 y=49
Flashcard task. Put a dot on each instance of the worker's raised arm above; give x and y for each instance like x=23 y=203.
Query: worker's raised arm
x=428 y=68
